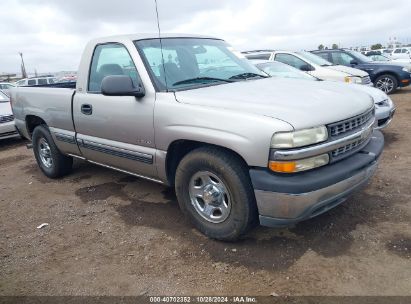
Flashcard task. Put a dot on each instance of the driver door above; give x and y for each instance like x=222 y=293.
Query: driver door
x=115 y=131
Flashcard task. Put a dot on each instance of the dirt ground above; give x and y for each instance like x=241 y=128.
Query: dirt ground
x=112 y=234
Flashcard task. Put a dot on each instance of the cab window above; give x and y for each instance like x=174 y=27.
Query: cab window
x=31 y=82
x=108 y=60
x=341 y=58
x=290 y=60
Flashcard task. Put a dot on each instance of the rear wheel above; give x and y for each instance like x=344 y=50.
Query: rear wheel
x=386 y=83
x=214 y=190
x=51 y=161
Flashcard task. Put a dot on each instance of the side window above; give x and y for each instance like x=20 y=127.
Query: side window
x=51 y=81
x=404 y=50
x=341 y=58
x=323 y=55
x=110 y=59
x=259 y=56
x=42 y=81
x=397 y=51
x=31 y=82
x=290 y=60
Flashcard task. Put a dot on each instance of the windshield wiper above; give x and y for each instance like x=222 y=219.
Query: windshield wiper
x=190 y=80
x=247 y=76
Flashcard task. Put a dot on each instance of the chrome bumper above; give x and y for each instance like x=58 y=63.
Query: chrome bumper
x=282 y=209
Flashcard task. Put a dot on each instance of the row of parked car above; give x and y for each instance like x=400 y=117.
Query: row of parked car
x=340 y=65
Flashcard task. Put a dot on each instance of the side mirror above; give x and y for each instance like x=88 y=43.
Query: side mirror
x=120 y=85
x=306 y=68
x=354 y=62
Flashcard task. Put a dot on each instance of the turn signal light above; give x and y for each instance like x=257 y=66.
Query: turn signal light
x=284 y=167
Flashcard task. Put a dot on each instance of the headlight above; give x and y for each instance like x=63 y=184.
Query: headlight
x=407 y=69
x=299 y=165
x=351 y=79
x=385 y=103
x=299 y=138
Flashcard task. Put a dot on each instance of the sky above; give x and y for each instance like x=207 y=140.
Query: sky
x=52 y=34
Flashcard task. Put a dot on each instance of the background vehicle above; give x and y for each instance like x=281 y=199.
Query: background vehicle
x=36 y=81
x=313 y=65
x=5 y=87
x=401 y=53
x=7 y=128
x=236 y=145
x=385 y=76
x=384 y=107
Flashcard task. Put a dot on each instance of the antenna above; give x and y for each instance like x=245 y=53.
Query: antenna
x=161 y=44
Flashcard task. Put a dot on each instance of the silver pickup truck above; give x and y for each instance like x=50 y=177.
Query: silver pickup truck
x=192 y=113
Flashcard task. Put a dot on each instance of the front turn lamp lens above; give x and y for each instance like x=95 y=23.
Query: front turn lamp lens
x=299 y=165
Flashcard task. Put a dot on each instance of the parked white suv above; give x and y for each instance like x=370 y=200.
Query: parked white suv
x=313 y=65
x=36 y=81
x=401 y=53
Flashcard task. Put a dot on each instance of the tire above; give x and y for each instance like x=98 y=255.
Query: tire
x=50 y=160
x=386 y=83
x=225 y=188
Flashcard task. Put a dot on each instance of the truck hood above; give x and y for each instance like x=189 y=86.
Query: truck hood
x=5 y=108
x=301 y=103
x=348 y=70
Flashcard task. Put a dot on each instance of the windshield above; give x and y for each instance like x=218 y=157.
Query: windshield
x=3 y=97
x=278 y=69
x=192 y=62
x=379 y=58
x=314 y=58
x=360 y=56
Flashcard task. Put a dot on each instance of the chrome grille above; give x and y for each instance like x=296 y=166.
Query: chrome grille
x=366 y=80
x=7 y=118
x=347 y=148
x=350 y=124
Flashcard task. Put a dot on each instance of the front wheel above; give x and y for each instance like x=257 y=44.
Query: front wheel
x=215 y=192
x=386 y=83
x=51 y=161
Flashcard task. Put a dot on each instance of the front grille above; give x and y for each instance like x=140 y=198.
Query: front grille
x=366 y=80
x=350 y=124
x=7 y=118
x=347 y=148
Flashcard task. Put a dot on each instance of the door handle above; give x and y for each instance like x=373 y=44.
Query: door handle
x=86 y=109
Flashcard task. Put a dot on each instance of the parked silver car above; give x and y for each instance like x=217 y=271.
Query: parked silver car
x=7 y=127
x=384 y=107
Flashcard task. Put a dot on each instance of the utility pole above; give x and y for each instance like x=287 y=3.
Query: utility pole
x=23 y=67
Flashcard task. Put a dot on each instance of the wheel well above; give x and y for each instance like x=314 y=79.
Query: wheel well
x=180 y=148
x=33 y=121
x=389 y=73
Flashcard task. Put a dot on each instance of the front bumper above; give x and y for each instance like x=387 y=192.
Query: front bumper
x=283 y=200
x=384 y=118
x=8 y=130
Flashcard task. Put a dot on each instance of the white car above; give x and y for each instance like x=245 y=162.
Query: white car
x=401 y=53
x=7 y=127
x=37 y=81
x=314 y=65
x=384 y=107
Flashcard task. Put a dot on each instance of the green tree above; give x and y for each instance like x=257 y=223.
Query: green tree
x=321 y=47
x=376 y=46
x=335 y=46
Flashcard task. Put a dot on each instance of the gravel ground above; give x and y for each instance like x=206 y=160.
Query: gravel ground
x=112 y=234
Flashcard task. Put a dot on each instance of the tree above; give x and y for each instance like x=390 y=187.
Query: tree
x=321 y=47
x=376 y=46
x=335 y=46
